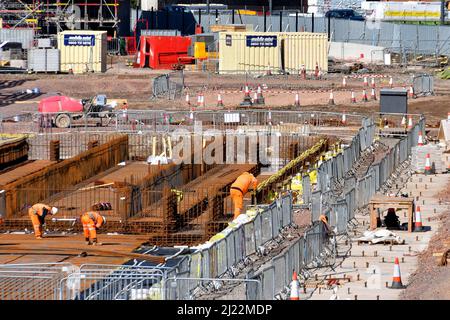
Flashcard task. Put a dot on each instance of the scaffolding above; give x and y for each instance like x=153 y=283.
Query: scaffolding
x=43 y=15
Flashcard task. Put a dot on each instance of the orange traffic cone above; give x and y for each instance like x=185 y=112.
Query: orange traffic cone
x=372 y=82
x=410 y=124
x=366 y=83
x=344 y=82
x=420 y=139
x=219 y=100
x=303 y=72
x=372 y=94
x=391 y=82
x=411 y=92
x=428 y=169
x=364 y=97
x=403 y=124
x=353 y=100
x=294 y=295
x=331 y=99
x=188 y=99
x=259 y=96
x=247 y=91
x=247 y=102
x=297 y=100
x=269 y=71
x=397 y=278
x=255 y=98
x=418 y=222
x=344 y=118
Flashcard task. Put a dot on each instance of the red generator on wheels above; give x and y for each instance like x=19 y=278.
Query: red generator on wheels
x=163 y=52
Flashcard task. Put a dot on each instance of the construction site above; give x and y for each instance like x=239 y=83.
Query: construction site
x=348 y=159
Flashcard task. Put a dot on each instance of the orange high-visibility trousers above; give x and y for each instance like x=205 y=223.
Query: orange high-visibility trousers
x=37 y=226
x=238 y=201
x=89 y=229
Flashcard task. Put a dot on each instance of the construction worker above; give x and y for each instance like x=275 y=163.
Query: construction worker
x=37 y=214
x=297 y=187
x=178 y=194
x=92 y=220
x=313 y=176
x=238 y=190
x=327 y=227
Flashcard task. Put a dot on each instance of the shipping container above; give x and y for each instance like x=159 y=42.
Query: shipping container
x=83 y=51
x=162 y=52
x=278 y=51
x=24 y=36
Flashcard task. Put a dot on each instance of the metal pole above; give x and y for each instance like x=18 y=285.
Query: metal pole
x=200 y=17
x=312 y=22
x=281 y=21
x=265 y=19
x=329 y=27
x=442 y=11
x=152 y=18
x=296 y=21
x=217 y=16
x=232 y=16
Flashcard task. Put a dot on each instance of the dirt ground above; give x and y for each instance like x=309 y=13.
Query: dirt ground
x=431 y=281
x=279 y=90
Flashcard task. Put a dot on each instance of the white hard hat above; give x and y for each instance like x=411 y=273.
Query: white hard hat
x=54 y=210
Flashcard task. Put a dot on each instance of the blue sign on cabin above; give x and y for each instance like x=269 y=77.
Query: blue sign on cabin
x=261 y=41
x=79 y=40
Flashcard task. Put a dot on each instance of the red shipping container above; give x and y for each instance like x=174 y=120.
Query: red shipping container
x=162 y=52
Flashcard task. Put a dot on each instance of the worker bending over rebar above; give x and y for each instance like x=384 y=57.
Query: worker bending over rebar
x=37 y=214
x=238 y=190
x=92 y=221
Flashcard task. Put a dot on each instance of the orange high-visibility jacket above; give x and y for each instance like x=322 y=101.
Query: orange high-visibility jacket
x=244 y=181
x=94 y=216
x=38 y=209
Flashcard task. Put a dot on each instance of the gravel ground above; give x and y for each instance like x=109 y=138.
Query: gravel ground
x=430 y=281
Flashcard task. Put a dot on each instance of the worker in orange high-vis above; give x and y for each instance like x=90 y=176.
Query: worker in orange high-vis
x=238 y=190
x=92 y=221
x=37 y=214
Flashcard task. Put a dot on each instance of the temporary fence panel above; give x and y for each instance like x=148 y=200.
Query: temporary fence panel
x=266 y=226
x=279 y=264
x=306 y=185
x=222 y=257
x=315 y=205
x=250 y=239
x=268 y=283
x=423 y=85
